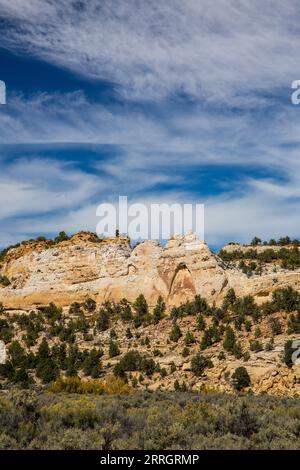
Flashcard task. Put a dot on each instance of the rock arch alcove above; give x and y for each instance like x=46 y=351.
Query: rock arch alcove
x=182 y=286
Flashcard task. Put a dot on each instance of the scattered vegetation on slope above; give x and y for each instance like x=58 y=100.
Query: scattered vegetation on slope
x=175 y=420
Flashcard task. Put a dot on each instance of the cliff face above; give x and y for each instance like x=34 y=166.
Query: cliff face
x=83 y=266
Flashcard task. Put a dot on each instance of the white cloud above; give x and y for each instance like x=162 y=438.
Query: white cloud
x=36 y=186
x=221 y=54
x=71 y=118
x=221 y=50
x=51 y=195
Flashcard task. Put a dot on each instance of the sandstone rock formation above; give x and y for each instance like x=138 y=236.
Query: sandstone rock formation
x=86 y=266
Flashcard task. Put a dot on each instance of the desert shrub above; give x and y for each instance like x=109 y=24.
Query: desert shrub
x=81 y=413
x=269 y=345
x=237 y=350
x=175 y=333
x=17 y=354
x=66 y=334
x=75 y=308
x=221 y=356
x=199 y=363
x=238 y=420
x=229 y=340
x=89 y=305
x=157 y=420
x=200 y=306
x=286 y=299
x=134 y=361
x=246 y=356
x=92 y=364
x=116 y=386
x=257 y=332
x=76 y=385
x=256 y=346
x=52 y=312
x=180 y=387
x=287 y=353
x=294 y=323
x=240 y=378
x=59 y=354
x=6 y=331
x=110 y=386
x=74 y=360
x=248 y=325
x=141 y=307
x=103 y=319
x=247 y=306
x=275 y=326
x=129 y=334
x=201 y=325
x=61 y=237
x=267 y=308
x=157 y=353
x=47 y=370
x=210 y=336
x=239 y=321
x=229 y=299
x=113 y=349
x=159 y=310
x=113 y=334
x=290 y=258
x=4 y=281
x=21 y=377
x=125 y=311
x=189 y=338
x=175 y=313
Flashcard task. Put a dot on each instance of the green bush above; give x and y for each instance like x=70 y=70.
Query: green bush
x=240 y=378
x=286 y=299
x=294 y=323
x=189 y=338
x=175 y=333
x=125 y=311
x=134 y=361
x=256 y=346
x=103 y=320
x=89 y=305
x=229 y=340
x=159 y=310
x=61 y=237
x=201 y=325
x=199 y=363
x=287 y=354
x=92 y=365
x=113 y=349
x=4 y=281
x=275 y=326
x=141 y=307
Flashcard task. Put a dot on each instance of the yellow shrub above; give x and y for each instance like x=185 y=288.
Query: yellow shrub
x=110 y=386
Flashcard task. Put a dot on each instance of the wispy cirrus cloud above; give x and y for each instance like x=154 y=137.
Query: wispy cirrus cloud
x=215 y=78
x=224 y=50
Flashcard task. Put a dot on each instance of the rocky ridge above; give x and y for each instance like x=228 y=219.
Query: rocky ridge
x=86 y=266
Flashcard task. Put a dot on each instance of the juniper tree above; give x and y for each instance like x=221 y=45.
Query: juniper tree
x=159 y=310
x=175 y=333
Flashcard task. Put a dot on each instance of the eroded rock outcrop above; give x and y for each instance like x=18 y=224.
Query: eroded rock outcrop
x=85 y=265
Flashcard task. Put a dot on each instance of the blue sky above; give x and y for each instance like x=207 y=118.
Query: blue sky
x=182 y=102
